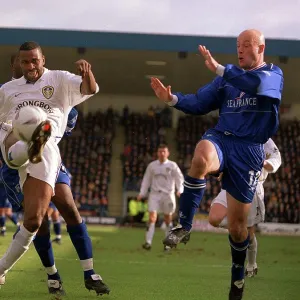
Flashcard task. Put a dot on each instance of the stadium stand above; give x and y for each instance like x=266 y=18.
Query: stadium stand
x=87 y=155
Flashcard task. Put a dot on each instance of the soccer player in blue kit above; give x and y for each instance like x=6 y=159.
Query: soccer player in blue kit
x=63 y=199
x=248 y=99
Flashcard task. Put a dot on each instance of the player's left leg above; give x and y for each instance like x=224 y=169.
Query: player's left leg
x=43 y=246
x=237 y=213
x=78 y=233
x=168 y=208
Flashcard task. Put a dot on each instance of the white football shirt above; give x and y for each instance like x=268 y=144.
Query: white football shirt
x=56 y=92
x=162 y=177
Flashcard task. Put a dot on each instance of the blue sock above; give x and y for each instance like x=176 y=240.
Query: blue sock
x=14 y=218
x=190 y=200
x=57 y=227
x=44 y=249
x=2 y=221
x=83 y=245
x=238 y=254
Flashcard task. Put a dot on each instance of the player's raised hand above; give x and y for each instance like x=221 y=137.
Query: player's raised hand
x=210 y=62
x=163 y=93
x=83 y=67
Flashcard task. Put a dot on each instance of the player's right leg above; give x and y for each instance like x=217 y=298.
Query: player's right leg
x=153 y=208
x=38 y=189
x=208 y=158
x=237 y=214
x=37 y=195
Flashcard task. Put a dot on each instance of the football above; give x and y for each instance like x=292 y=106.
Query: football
x=26 y=121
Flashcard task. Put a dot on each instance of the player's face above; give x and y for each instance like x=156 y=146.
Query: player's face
x=32 y=64
x=249 y=52
x=163 y=154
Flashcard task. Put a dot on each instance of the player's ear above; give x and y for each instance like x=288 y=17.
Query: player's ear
x=261 y=49
x=44 y=60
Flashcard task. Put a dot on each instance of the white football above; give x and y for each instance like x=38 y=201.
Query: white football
x=26 y=121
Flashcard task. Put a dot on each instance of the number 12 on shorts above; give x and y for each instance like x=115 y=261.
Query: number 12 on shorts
x=254 y=176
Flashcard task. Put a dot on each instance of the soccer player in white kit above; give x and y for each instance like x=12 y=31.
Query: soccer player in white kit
x=38 y=162
x=161 y=176
x=218 y=211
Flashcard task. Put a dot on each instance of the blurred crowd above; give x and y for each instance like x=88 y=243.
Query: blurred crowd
x=143 y=133
x=87 y=155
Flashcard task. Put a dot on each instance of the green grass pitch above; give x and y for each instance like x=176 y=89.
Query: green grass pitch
x=199 y=270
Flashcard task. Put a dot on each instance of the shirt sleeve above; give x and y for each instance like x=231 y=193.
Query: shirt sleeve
x=72 y=83
x=147 y=179
x=178 y=179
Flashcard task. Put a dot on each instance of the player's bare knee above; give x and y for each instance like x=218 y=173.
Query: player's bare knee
x=33 y=223
x=213 y=220
x=152 y=217
x=236 y=231
x=199 y=166
x=168 y=219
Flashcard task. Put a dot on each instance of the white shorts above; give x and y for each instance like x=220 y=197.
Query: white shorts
x=47 y=170
x=257 y=210
x=162 y=202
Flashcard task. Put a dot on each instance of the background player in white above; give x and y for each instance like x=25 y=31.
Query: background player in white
x=56 y=92
x=161 y=176
x=218 y=211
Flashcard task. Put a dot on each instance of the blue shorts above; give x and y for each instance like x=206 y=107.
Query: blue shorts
x=10 y=180
x=64 y=176
x=241 y=163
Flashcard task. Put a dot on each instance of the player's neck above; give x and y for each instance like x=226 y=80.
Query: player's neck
x=259 y=63
x=162 y=161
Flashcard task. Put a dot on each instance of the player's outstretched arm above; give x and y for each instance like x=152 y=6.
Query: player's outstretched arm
x=88 y=85
x=257 y=82
x=205 y=100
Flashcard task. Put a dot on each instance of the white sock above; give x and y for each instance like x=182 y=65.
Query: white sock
x=150 y=233
x=168 y=228
x=51 y=270
x=252 y=252
x=17 y=153
x=87 y=264
x=19 y=245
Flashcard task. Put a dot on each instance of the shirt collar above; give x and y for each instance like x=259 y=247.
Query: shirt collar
x=258 y=67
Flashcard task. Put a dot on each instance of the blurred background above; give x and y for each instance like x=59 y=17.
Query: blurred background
x=119 y=129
